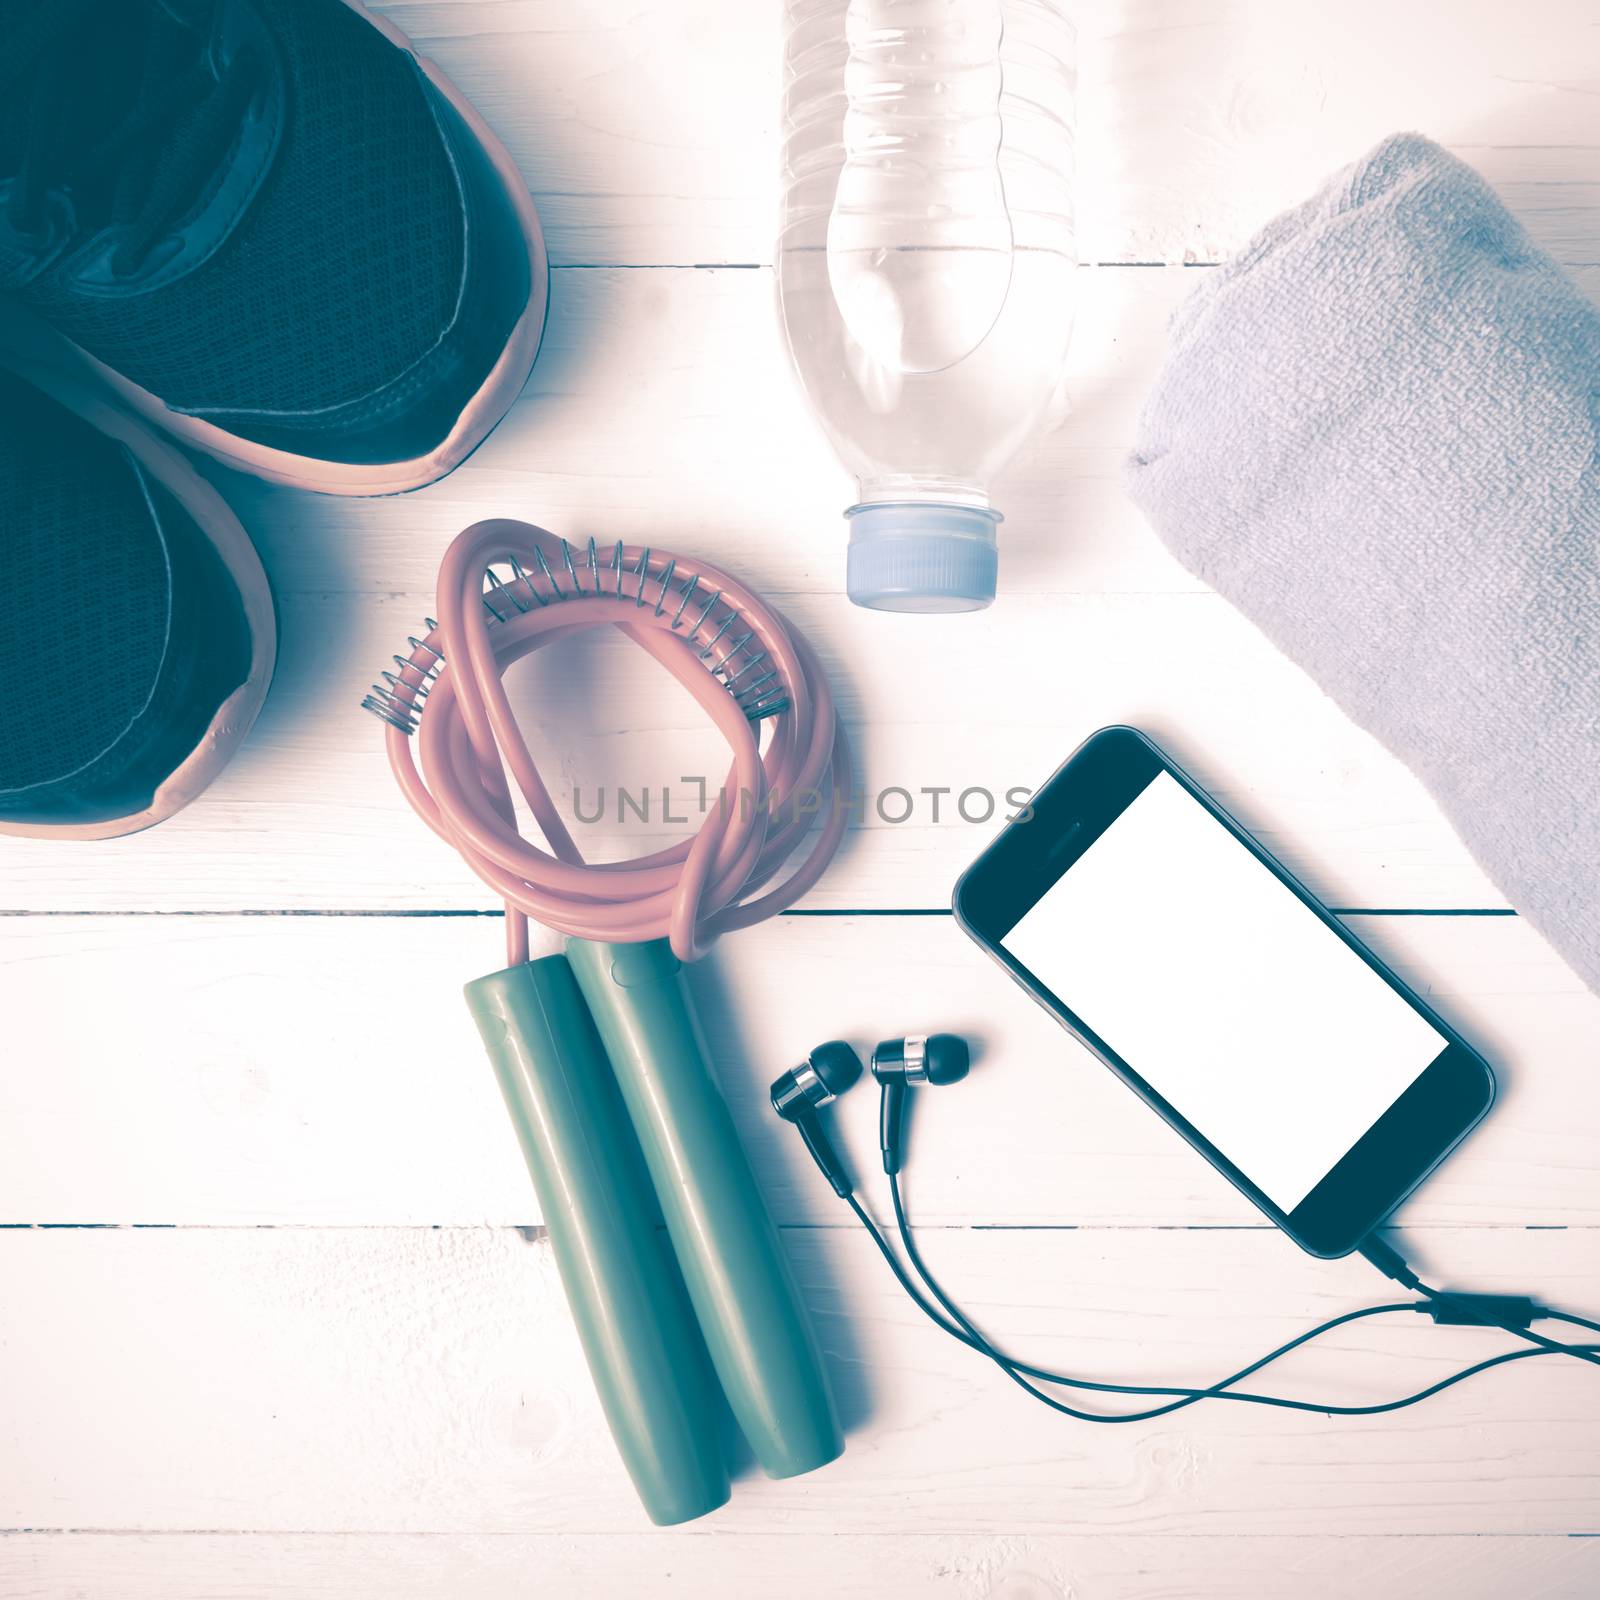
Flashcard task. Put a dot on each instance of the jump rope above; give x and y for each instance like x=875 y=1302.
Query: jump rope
x=670 y=1262
x=723 y=643
x=673 y=1269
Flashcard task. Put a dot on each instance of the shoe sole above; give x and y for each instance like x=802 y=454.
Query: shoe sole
x=32 y=340
x=211 y=513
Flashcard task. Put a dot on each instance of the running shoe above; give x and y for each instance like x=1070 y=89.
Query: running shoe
x=269 y=228
x=141 y=635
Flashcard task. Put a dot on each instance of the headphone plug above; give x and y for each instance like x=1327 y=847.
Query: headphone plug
x=1450 y=1308
x=1389 y=1262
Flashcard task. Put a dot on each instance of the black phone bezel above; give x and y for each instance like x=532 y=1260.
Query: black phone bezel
x=1095 y=784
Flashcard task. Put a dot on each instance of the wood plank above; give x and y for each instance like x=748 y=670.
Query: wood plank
x=402 y=1411
x=258 y=1070
x=662 y=411
x=1201 y=121
x=646 y=129
x=1095 y=624
x=790 y=1566
x=649 y=131
x=309 y=817
x=413 y=1381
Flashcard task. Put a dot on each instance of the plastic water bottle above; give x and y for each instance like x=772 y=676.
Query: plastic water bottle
x=926 y=266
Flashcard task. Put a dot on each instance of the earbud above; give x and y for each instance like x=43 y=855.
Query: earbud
x=931 y=1058
x=831 y=1068
x=825 y=1074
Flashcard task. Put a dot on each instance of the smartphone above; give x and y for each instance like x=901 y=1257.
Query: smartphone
x=1152 y=926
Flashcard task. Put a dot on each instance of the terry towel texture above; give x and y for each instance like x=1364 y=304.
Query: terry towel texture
x=1376 y=433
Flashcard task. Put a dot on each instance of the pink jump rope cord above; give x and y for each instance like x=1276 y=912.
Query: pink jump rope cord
x=471 y=752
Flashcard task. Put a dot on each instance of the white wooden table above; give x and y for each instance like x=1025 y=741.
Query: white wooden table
x=277 y=1317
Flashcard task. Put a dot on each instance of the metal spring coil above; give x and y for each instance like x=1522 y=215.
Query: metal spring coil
x=399 y=698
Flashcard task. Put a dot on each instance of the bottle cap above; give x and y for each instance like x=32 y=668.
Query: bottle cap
x=922 y=555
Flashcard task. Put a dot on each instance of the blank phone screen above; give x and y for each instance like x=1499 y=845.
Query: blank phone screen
x=1214 y=983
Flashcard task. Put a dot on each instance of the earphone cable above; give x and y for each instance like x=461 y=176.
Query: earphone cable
x=1149 y=1413
x=1574 y=1319
x=1469 y=1308
x=963 y=1330
x=981 y=1345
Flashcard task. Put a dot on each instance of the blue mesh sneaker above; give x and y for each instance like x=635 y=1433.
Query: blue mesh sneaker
x=146 y=621
x=270 y=228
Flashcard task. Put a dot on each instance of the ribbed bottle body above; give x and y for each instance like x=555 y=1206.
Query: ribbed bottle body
x=926 y=260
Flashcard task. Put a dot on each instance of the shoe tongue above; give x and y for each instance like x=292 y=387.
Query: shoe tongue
x=133 y=47
x=87 y=92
